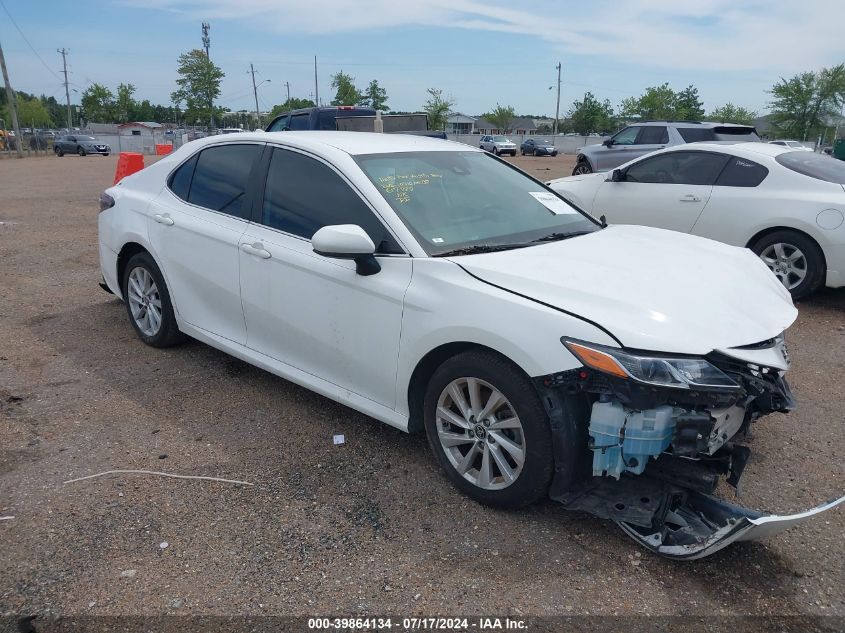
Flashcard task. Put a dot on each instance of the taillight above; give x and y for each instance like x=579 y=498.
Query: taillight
x=106 y=201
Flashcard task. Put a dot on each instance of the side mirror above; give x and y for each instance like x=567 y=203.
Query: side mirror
x=618 y=175
x=347 y=241
x=608 y=142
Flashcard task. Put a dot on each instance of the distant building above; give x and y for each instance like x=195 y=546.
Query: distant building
x=140 y=128
x=457 y=123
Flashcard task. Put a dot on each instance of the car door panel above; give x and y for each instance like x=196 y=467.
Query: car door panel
x=318 y=315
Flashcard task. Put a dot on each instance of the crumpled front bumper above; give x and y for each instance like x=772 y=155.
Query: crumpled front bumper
x=668 y=506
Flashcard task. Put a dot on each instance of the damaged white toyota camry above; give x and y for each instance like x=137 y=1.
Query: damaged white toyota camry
x=434 y=287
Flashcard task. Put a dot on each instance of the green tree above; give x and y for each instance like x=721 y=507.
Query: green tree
x=657 y=103
x=437 y=108
x=688 y=106
x=801 y=105
x=124 y=104
x=31 y=112
x=347 y=93
x=199 y=85
x=98 y=104
x=375 y=96
x=502 y=117
x=590 y=115
x=293 y=104
x=730 y=113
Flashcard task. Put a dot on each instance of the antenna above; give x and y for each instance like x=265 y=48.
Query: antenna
x=206 y=40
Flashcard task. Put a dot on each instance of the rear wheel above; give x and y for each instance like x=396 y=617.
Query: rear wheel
x=795 y=259
x=148 y=302
x=489 y=430
x=582 y=167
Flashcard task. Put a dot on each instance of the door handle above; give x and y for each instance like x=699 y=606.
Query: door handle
x=690 y=198
x=163 y=219
x=256 y=249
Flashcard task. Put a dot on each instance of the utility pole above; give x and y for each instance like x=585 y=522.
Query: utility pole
x=287 y=85
x=13 y=106
x=316 y=85
x=63 y=53
x=557 y=107
x=255 y=93
x=206 y=40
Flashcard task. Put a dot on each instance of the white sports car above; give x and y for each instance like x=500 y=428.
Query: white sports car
x=787 y=206
x=438 y=289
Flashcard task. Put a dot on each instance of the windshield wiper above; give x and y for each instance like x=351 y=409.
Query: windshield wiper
x=481 y=248
x=554 y=237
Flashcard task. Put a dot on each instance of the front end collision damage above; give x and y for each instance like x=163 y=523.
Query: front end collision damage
x=655 y=455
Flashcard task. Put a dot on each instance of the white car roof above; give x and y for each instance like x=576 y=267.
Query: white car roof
x=751 y=149
x=353 y=143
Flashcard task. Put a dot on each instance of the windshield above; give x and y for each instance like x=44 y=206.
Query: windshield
x=814 y=165
x=451 y=200
x=500 y=139
x=541 y=142
x=85 y=138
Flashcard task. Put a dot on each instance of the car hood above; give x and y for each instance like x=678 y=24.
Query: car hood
x=652 y=289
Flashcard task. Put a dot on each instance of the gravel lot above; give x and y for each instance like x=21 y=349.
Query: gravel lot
x=370 y=526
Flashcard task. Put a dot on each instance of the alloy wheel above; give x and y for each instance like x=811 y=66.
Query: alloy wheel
x=787 y=262
x=480 y=433
x=144 y=301
x=581 y=168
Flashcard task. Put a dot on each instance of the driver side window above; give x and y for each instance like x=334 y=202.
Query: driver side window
x=626 y=136
x=678 y=168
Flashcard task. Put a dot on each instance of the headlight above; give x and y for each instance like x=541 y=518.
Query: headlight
x=679 y=373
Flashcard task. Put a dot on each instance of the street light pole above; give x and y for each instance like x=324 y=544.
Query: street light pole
x=557 y=107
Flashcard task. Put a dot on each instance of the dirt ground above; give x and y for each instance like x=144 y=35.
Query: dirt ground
x=370 y=526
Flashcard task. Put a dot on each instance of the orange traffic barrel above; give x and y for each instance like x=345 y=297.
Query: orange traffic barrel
x=128 y=163
x=166 y=148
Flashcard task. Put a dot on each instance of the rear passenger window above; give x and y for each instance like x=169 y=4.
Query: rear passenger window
x=653 y=135
x=303 y=195
x=696 y=134
x=300 y=121
x=741 y=172
x=221 y=176
x=180 y=181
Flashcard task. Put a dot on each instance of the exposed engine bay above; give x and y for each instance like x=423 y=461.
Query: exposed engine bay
x=656 y=454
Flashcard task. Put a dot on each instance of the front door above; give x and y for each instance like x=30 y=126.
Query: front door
x=667 y=191
x=314 y=312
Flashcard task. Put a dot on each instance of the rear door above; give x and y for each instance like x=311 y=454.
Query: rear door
x=195 y=228
x=667 y=191
x=313 y=312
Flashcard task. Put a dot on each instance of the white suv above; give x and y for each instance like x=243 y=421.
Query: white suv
x=498 y=145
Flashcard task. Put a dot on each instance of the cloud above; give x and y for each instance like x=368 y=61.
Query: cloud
x=728 y=35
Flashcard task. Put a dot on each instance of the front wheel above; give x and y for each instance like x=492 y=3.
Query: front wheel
x=489 y=430
x=148 y=302
x=496 y=151
x=795 y=259
x=80 y=151
x=583 y=167
x=59 y=152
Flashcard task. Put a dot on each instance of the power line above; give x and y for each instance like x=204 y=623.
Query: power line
x=32 y=48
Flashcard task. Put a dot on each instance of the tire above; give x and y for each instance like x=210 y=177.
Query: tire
x=537 y=152
x=523 y=152
x=528 y=482
x=795 y=259
x=106 y=154
x=495 y=150
x=80 y=151
x=140 y=268
x=59 y=152
x=582 y=167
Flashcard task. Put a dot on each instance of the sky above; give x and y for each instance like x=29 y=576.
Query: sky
x=480 y=53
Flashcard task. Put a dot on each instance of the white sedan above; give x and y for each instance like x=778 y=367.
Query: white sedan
x=436 y=288
x=787 y=206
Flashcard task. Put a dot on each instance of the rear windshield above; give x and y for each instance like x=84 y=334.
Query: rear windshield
x=814 y=165
x=326 y=118
x=735 y=133
x=695 y=134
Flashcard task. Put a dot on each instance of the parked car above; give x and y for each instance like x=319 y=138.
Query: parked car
x=538 y=147
x=439 y=290
x=792 y=145
x=785 y=205
x=640 y=139
x=80 y=144
x=322 y=118
x=498 y=145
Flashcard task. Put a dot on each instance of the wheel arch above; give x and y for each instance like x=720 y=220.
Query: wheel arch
x=774 y=229
x=426 y=367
